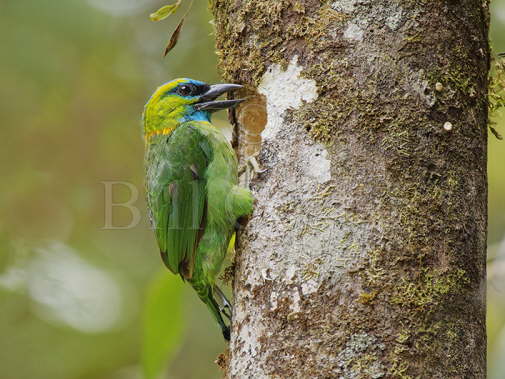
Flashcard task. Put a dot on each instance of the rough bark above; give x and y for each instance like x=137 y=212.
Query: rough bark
x=365 y=256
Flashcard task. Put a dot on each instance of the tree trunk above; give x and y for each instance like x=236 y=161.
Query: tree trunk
x=365 y=256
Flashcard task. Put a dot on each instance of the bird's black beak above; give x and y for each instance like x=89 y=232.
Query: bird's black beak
x=208 y=100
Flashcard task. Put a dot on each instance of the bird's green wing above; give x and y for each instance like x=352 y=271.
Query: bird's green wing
x=177 y=194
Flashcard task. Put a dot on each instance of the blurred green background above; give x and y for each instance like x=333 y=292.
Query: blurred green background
x=74 y=77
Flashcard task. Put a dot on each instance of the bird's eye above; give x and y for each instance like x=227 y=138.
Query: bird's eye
x=186 y=90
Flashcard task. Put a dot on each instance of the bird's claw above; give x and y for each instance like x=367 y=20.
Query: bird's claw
x=226 y=311
x=250 y=169
x=225 y=308
x=255 y=165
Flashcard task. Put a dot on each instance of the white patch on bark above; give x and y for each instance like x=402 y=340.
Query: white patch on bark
x=248 y=336
x=288 y=90
x=420 y=85
x=273 y=300
x=318 y=165
x=284 y=90
x=353 y=32
x=290 y=274
x=360 y=346
x=346 y=6
x=310 y=286
x=295 y=298
x=395 y=18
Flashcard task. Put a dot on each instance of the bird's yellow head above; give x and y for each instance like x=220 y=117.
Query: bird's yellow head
x=183 y=100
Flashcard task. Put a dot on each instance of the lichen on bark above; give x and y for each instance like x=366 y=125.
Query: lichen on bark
x=377 y=270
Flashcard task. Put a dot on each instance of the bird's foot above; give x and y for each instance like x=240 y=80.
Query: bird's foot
x=250 y=169
x=253 y=163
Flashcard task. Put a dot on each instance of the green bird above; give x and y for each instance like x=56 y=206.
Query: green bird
x=192 y=185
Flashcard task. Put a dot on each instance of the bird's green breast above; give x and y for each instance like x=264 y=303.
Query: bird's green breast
x=190 y=174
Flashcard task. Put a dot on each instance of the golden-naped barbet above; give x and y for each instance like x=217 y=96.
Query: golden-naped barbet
x=192 y=185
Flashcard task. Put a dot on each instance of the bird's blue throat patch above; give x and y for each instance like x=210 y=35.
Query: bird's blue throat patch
x=196 y=116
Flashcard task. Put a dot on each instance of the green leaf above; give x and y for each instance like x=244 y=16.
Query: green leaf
x=165 y=11
x=163 y=323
